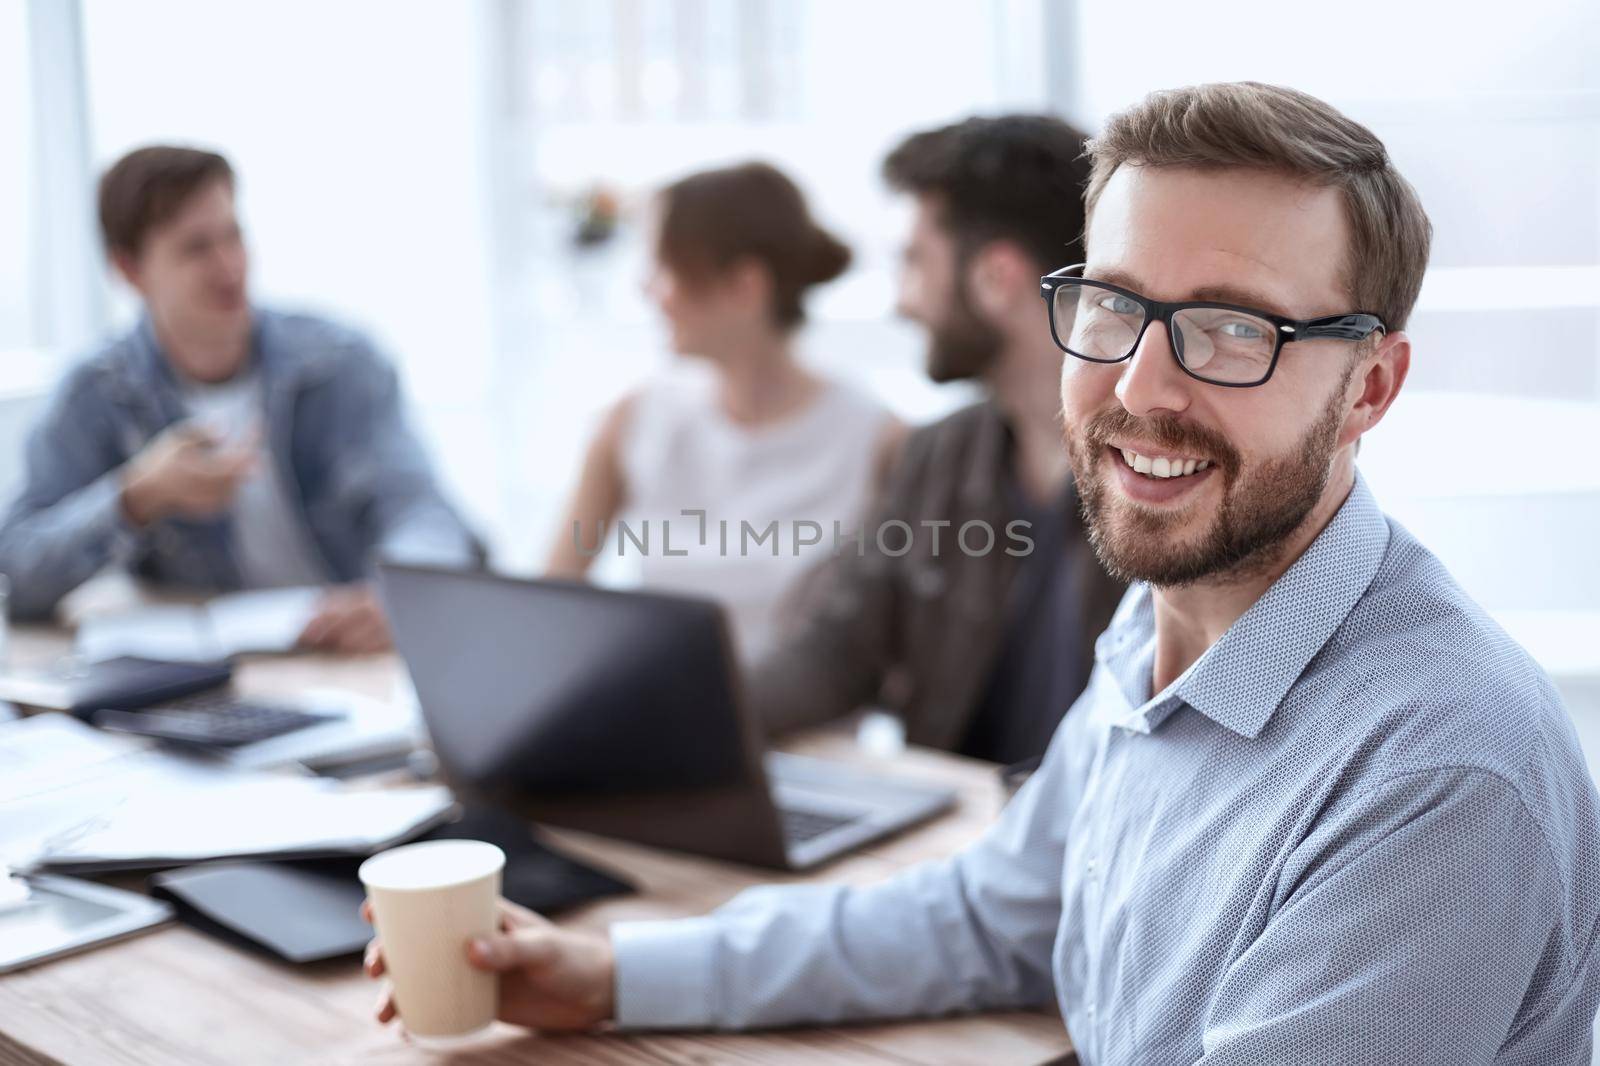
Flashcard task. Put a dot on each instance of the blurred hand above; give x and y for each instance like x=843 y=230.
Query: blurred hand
x=350 y=621
x=552 y=979
x=185 y=471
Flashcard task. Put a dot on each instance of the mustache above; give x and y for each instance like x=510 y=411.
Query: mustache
x=1165 y=430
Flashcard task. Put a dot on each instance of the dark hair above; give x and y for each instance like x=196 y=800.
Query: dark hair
x=1011 y=177
x=712 y=220
x=1267 y=127
x=148 y=186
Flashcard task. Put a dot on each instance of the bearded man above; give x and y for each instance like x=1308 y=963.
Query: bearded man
x=1314 y=806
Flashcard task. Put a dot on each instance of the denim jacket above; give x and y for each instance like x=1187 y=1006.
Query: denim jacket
x=357 y=476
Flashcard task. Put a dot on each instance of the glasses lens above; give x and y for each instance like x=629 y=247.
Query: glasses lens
x=1224 y=346
x=1096 y=323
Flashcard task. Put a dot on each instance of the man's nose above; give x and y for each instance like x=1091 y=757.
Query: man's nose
x=1152 y=382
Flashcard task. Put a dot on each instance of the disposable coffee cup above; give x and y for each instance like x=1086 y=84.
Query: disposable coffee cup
x=429 y=901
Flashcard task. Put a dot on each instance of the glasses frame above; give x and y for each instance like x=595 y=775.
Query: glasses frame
x=1353 y=326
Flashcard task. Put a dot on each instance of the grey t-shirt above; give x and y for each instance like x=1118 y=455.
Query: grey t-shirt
x=269 y=541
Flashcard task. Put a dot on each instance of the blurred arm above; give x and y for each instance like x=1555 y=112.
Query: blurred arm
x=67 y=523
x=386 y=471
x=597 y=499
x=840 y=642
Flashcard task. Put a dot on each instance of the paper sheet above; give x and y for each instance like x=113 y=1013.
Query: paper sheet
x=250 y=818
x=268 y=620
x=240 y=623
x=72 y=795
x=170 y=633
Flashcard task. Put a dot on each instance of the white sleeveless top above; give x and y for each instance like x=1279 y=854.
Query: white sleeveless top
x=804 y=473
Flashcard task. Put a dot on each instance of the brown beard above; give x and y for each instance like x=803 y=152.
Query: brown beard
x=962 y=346
x=1260 y=506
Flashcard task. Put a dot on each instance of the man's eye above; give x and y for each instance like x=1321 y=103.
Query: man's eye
x=1244 y=331
x=1118 y=305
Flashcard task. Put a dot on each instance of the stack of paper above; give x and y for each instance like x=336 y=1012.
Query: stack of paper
x=75 y=799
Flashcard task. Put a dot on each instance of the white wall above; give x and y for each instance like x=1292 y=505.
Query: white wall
x=16 y=193
x=359 y=132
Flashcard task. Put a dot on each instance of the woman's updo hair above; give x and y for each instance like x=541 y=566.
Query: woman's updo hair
x=712 y=220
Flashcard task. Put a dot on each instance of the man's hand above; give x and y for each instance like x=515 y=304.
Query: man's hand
x=187 y=472
x=551 y=979
x=349 y=621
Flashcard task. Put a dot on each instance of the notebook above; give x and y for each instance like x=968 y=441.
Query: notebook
x=308 y=911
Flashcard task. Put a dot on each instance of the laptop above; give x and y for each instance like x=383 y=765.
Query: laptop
x=619 y=713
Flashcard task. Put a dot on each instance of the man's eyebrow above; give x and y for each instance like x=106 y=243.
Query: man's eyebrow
x=1222 y=294
x=1228 y=294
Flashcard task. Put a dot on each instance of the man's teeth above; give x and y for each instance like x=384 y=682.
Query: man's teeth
x=1163 y=467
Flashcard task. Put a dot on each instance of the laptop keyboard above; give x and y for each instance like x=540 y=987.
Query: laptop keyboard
x=212 y=719
x=802 y=826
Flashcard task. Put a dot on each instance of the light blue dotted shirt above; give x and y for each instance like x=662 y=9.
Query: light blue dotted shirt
x=1358 y=830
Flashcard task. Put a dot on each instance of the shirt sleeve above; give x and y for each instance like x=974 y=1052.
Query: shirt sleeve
x=969 y=933
x=1410 y=928
x=385 y=474
x=67 y=523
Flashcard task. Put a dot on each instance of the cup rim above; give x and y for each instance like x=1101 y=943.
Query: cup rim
x=371 y=870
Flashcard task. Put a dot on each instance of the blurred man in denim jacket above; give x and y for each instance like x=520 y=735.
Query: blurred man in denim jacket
x=218 y=445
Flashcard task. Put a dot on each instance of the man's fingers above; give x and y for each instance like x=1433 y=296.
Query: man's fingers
x=239 y=463
x=366 y=911
x=315 y=635
x=372 y=962
x=525 y=948
x=326 y=625
x=195 y=434
x=515 y=915
x=216 y=486
x=367 y=635
x=385 y=1010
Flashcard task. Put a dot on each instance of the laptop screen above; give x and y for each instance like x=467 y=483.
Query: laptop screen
x=554 y=688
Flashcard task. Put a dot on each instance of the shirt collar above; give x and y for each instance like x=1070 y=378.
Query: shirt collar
x=280 y=364
x=1242 y=678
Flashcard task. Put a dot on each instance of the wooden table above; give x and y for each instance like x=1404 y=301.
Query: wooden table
x=176 y=996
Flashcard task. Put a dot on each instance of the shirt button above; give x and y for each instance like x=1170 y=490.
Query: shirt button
x=1089 y=1009
x=1090 y=866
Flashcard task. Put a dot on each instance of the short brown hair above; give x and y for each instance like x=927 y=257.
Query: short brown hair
x=1001 y=177
x=147 y=187
x=1267 y=127
x=712 y=220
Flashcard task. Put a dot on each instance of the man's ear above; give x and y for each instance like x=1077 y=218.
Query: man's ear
x=1375 y=385
x=1000 y=275
x=126 y=264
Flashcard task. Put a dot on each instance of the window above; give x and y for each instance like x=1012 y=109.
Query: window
x=16 y=181
x=1496 y=121
x=628 y=94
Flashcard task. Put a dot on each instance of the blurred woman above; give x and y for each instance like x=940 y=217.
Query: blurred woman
x=741 y=430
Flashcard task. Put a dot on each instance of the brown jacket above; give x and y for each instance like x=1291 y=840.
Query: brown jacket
x=920 y=632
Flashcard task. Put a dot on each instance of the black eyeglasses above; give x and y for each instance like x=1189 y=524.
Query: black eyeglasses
x=1220 y=344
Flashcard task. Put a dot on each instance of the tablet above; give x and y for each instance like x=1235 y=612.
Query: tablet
x=61 y=915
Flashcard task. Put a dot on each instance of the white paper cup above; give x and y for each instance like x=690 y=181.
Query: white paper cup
x=428 y=901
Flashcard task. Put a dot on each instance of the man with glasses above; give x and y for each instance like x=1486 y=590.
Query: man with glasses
x=1314 y=806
